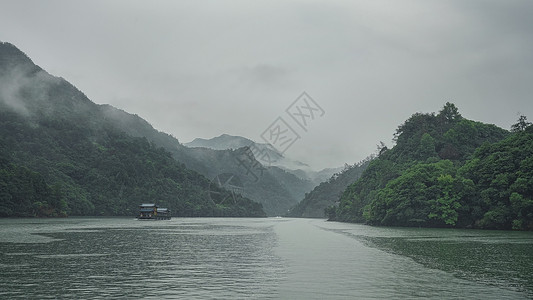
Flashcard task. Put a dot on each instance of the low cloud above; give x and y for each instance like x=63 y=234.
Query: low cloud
x=22 y=85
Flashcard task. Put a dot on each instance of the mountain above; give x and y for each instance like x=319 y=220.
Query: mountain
x=267 y=155
x=270 y=188
x=266 y=185
x=222 y=142
x=328 y=193
x=294 y=179
x=447 y=171
x=62 y=154
x=274 y=188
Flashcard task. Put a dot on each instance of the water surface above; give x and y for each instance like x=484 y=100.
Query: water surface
x=210 y=258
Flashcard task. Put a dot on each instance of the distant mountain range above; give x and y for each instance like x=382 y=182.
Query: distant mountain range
x=268 y=156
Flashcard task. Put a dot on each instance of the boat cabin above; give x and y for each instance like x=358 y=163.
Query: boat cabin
x=163 y=213
x=150 y=211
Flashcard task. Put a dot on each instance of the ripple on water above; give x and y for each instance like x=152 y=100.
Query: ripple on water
x=255 y=259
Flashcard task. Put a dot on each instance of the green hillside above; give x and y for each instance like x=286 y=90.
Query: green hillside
x=447 y=171
x=61 y=154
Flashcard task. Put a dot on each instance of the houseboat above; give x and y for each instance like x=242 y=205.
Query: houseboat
x=151 y=211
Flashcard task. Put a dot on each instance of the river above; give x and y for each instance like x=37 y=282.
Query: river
x=274 y=258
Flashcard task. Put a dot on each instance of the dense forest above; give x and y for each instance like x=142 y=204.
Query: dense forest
x=447 y=171
x=327 y=193
x=61 y=154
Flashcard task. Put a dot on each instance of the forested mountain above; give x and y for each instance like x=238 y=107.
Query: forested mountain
x=327 y=193
x=447 y=171
x=264 y=184
x=62 y=154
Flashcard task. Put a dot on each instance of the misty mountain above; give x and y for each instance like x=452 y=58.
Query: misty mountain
x=60 y=154
x=276 y=189
x=267 y=155
x=222 y=142
x=272 y=190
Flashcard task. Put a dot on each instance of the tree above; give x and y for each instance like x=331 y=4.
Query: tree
x=521 y=125
x=449 y=113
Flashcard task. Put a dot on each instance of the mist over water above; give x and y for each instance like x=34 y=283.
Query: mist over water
x=257 y=259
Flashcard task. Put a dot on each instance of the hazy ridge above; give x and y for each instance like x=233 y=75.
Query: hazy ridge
x=61 y=154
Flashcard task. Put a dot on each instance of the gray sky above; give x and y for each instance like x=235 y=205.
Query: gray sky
x=202 y=68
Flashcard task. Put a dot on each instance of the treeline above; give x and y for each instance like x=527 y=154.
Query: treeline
x=447 y=171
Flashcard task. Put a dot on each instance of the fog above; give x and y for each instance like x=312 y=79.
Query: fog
x=204 y=68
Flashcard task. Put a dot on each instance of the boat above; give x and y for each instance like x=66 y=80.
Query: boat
x=150 y=211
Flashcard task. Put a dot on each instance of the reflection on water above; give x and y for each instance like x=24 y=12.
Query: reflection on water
x=496 y=258
x=257 y=259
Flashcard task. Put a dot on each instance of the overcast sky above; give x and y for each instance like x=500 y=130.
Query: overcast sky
x=203 y=68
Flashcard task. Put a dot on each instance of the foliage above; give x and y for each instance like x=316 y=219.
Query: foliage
x=521 y=125
x=426 y=194
x=503 y=175
x=24 y=193
x=447 y=171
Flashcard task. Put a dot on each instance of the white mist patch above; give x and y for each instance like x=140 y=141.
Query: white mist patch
x=22 y=84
